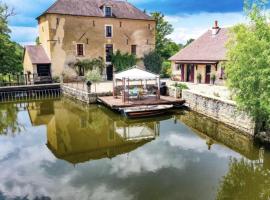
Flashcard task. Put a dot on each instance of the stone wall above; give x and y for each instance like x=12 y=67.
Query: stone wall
x=81 y=95
x=221 y=110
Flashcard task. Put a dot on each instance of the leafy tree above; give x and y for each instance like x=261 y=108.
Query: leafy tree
x=123 y=61
x=10 y=52
x=153 y=62
x=248 y=66
x=188 y=42
x=170 y=49
x=163 y=29
x=245 y=180
x=94 y=76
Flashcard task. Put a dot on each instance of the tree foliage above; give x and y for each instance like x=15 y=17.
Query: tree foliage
x=170 y=49
x=188 y=42
x=248 y=66
x=11 y=53
x=245 y=180
x=166 y=70
x=153 y=62
x=88 y=65
x=164 y=46
x=123 y=61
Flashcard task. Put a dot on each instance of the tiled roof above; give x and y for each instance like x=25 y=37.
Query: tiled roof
x=93 y=8
x=208 y=47
x=37 y=54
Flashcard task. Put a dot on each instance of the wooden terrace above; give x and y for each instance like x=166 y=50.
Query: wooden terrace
x=117 y=103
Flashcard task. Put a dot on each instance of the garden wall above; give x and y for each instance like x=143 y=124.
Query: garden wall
x=81 y=95
x=221 y=110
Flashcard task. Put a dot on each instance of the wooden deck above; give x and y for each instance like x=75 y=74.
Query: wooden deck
x=116 y=103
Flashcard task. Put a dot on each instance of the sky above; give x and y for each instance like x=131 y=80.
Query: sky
x=190 y=18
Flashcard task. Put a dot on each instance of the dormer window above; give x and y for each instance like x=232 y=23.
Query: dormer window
x=108 y=11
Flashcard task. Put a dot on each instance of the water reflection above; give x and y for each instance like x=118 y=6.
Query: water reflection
x=77 y=133
x=245 y=180
x=180 y=156
x=8 y=119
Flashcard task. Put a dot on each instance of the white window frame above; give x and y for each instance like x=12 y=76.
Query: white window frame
x=77 y=49
x=104 y=10
x=106 y=25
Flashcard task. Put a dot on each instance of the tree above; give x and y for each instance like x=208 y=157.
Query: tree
x=123 y=61
x=94 y=76
x=170 y=49
x=248 y=66
x=11 y=53
x=163 y=29
x=166 y=71
x=189 y=42
x=153 y=62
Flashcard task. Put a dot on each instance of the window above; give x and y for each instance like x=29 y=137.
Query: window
x=108 y=11
x=108 y=31
x=80 y=49
x=149 y=26
x=120 y=24
x=57 y=21
x=109 y=52
x=134 y=49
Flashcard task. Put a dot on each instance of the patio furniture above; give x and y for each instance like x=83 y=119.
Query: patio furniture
x=137 y=76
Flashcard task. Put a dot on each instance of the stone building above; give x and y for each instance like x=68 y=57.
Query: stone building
x=204 y=57
x=72 y=30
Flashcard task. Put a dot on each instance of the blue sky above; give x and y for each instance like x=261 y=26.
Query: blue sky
x=190 y=18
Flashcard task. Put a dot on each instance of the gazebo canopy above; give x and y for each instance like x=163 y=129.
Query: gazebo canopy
x=135 y=73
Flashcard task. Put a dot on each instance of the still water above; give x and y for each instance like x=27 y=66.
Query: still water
x=63 y=150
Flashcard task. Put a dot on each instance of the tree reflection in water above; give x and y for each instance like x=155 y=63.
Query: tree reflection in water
x=245 y=180
x=8 y=119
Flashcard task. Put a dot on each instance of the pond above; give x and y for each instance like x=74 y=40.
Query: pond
x=62 y=149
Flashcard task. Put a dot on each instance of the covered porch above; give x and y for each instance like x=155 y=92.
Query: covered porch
x=198 y=72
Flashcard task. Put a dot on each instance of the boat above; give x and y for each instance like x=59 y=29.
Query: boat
x=145 y=111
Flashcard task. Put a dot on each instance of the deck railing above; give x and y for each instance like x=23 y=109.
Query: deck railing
x=30 y=95
x=24 y=79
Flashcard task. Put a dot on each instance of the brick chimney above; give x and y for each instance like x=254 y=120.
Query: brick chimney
x=215 y=28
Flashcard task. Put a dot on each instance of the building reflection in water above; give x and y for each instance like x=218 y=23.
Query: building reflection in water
x=78 y=133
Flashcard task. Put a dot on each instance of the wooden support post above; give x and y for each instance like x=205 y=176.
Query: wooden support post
x=158 y=92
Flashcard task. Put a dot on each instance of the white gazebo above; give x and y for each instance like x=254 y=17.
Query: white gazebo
x=135 y=74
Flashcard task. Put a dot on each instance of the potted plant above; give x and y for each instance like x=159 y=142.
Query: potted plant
x=94 y=77
x=199 y=78
x=213 y=78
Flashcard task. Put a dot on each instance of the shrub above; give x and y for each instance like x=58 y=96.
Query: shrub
x=88 y=65
x=166 y=71
x=123 y=61
x=153 y=62
x=199 y=77
x=94 y=76
x=213 y=78
x=56 y=79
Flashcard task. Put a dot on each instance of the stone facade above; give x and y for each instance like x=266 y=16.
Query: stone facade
x=60 y=34
x=221 y=110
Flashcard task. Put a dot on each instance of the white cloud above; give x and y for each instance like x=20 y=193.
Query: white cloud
x=192 y=26
x=24 y=35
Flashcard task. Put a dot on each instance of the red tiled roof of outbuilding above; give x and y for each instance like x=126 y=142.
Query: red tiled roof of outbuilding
x=37 y=54
x=208 y=47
